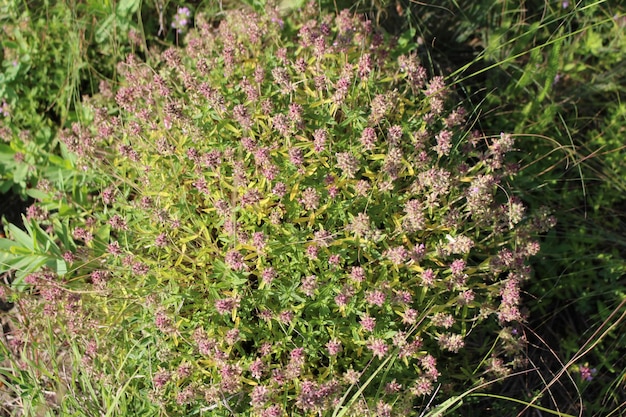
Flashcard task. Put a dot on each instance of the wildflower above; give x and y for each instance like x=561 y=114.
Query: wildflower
x=4 y=109
x=265 y=349
x=357 y=274
x=429 y=364
x=451 y=342
x=402 y=297
x=231 y=378
x=241 y=115
x=282 y=78
x=322 y=238
x=587 y=373
x=108 y=195
x=381 y=105
x=497 y=367
x=378 y=347
x=309 y=285
x=311 y=252
x=280 y=189
x=268 y=275
x=317 y=397
x=273 y=411
x=98 y=278
x=436 y=87
x=234 y=260
x=396 y=255
x=375 y=297
x=183 y=370
x=161 y=240
x=160 y=379
x=393 y=163
x=310 y=199
x=348 y=163
x=334 y=347
x=459 y=245
x=410 y=316
x=444 y=143
x=368 y=322
x=457 y=266
x=232 y=336
x=35 y=212
x=85 y=235
x=422 y=387
x=392 y=387
x=295 y=156
x=286 y=317
x=334 y=259
x=260 y=396
x=69 y=257
x=181 y=19
x=342 y=299
x=428 y=277
x=257 y=368
x=365 y=66
x=163 y=322
x=341 y=89
x=226 y=305
x=319 y=140
x=383 y=409
x=444 y=320
x=362 y=188
x=251 y=197
x=466 y=297
x=410 y=349
x=295 y=113
x=394 y=134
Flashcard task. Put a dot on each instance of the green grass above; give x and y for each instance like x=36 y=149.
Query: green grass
x=551 y=75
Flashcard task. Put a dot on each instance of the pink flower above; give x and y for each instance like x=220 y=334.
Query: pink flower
x=410 y=316
x=378 y=347
x=368 y=323
x=587 y=373
x=310 y=199
x=375 y=297
x=334 y=347
x=234 y=260
x=257 y=368
x=227 y=305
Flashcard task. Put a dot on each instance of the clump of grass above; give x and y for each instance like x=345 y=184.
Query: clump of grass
x=287 y=215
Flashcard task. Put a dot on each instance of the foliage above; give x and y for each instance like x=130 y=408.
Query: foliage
x=291 y=215
x=548 y=69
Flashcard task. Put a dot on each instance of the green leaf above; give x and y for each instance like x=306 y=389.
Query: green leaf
x=125 y=7
x=593 y=42
x=21 y=237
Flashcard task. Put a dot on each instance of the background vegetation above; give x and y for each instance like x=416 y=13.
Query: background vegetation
x=547 y=71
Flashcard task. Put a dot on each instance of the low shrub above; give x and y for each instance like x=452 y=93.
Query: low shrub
x=287 y=215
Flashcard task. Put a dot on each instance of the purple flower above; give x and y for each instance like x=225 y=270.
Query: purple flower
x=348 y=163
x=319 y=140
x=375 y=297
x=257 y=368
x=181 y=19
x=310 y=199
x=368 y=138
x=333 y=347
x=378 y=347
x=587 y=373
x=234 y=260
x=368 y=322
x=226 y=305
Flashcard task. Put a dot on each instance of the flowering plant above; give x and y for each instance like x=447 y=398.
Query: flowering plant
x=290 y=216
x=181 y=19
